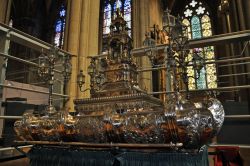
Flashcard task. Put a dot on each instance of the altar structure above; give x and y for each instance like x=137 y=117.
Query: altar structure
x=120 y=124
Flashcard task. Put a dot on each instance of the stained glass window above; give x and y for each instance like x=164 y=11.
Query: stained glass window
x=60 y=27
x=109 y=9
x=107 y=19
x=196 y=17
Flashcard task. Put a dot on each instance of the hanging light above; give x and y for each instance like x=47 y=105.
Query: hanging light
x=80 y=79
x=43 y=66
x=67 y=68
x=198 y=62
x=168 y=21
x=92 y=67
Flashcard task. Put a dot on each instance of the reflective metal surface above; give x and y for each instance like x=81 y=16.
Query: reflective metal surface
x=119 y=111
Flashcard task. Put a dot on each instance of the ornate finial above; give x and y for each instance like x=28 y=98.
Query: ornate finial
x=118 y=12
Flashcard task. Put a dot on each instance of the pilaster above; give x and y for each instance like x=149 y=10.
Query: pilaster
x=89 y=35
x=5 y=11
x=74 y=19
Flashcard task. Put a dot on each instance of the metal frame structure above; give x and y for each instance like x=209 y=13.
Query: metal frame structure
x=11 y=34
x=14 y=35
x=228 y=38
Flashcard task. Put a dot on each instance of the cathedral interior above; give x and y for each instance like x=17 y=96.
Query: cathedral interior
x=126 y=78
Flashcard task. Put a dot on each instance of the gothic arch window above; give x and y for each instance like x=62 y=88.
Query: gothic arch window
x=109 y=8
x=60 y=27
x=197 y=18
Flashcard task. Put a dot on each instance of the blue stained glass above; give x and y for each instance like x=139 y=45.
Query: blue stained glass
x=127 y=6
x=196 y=27
x=118 y=4
x=107 y=8
x=107 y=19
x=201 y=81
x=124 y=7
x=127 y=3
x=58 y=26
x=201 y=27
x=127 y=17
x=107 y=15
x=127 y=11
x=62 y=12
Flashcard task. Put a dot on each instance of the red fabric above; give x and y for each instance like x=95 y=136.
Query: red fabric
x=229 y=156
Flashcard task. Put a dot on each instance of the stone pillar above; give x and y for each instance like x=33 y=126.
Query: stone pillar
x=141 y=14
x=72 y=46
x=82 y=41
x=145 y=14
x=5 y=6
x=155 y=12
x=89 y=35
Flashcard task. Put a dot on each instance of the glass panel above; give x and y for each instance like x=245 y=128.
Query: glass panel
x=196 y=14
x=196 y=27
x=57 y=39
x=107 y=19
x=62 y=12
x=200 y=10
x=187 y=23
x=210 y=68
x=118 y=4
x=190 y=71
x=206 y=26
x=59 y=27
x=193 y=3
x=127 y=10
x=129 y=24
x=201 y=81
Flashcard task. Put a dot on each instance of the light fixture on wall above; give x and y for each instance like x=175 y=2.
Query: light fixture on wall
x=67 y=68
x=81 y=80
x=96 y=77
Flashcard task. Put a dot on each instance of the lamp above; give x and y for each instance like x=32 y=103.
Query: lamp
x=92 y=67
x=67 y=68
x=168 y=21
x=198 y=63
x=177 y=51
x=43 y=66
x=81 y=80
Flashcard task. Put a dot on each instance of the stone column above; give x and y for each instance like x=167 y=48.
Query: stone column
x=89 y=35
x=5 y=6
x=72 y=46
x=145 y=14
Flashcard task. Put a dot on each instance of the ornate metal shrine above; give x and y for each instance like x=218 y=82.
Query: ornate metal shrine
x=119 y=111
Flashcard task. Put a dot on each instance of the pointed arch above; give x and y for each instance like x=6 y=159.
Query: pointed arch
x=108 y=12
x=60 y=27
x=197 y=17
